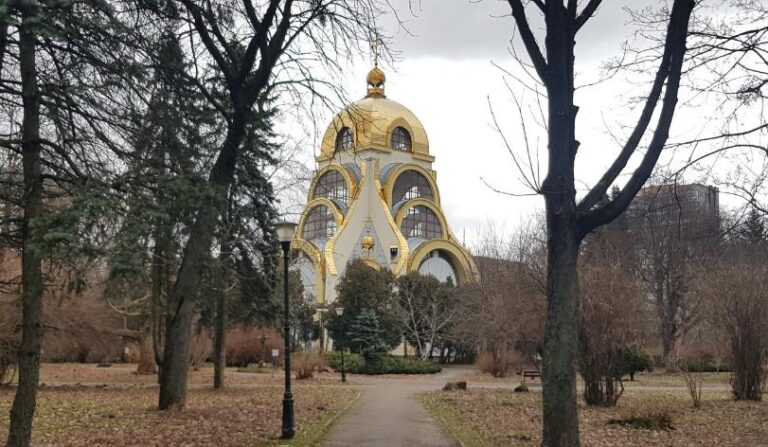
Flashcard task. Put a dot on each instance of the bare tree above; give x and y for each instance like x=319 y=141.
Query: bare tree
x=674 y=235
x=569 y=221
x=504 y=311
x=255 y=51
x=429 y=309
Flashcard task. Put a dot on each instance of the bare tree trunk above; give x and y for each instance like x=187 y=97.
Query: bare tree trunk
x=146 y=354
x=220 y=333
x=561 y=422
x=181 y=302
x=560 y=344
x=160 y=255
x=23 y=409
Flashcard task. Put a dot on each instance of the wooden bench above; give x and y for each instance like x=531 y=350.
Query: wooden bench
x=530 y=374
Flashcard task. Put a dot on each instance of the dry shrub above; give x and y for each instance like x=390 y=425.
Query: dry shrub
x=499 y=363
x=611 y=307
x=244 y=345
x=74 y=329
x=736 y=292
x=693 y=381
x=306 y=363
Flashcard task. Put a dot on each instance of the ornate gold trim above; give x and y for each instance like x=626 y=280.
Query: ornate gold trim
x=338 y=216
x=401 y=262
x=351 y=186
x=468 y=271
x=329 y=260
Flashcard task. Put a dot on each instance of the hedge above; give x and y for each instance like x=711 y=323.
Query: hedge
x=353 y=363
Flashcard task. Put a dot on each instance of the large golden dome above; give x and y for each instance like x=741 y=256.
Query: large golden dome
x=372 y=120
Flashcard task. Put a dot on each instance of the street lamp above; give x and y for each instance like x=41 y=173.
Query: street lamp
x=285 y=232
x=340 y=312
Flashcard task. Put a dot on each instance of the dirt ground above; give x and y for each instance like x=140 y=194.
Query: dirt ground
x=85 y=405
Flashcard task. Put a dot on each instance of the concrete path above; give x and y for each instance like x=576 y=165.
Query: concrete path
x=388 y=415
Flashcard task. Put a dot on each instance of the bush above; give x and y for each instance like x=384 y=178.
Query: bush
x=306 y=363
x=355 y=364
x=244 y=345
x=352 y=362
x=634 y=360
x=498 y=364
x=706 y=365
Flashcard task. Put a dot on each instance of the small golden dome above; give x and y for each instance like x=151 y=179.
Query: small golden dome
x=376 y=79
x=367 y=243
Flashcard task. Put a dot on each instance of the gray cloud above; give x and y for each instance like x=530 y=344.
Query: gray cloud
x=464 y=29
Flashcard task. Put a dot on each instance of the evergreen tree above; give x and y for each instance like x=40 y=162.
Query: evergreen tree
x=753 y=230
x=365 y=289
x=364 y=333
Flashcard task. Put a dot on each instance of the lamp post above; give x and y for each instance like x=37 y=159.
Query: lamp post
x=285 y=232
x=340 y=312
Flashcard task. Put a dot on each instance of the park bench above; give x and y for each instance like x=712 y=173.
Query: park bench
x=530 y=374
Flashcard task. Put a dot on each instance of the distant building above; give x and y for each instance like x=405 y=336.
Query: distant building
x=693 y=209
x=374 y=197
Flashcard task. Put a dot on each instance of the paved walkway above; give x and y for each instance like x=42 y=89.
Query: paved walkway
x=388 y=415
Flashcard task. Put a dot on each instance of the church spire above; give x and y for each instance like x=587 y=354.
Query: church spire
x=376 y=77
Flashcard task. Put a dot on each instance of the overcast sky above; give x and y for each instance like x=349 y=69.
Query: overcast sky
x=445 y=74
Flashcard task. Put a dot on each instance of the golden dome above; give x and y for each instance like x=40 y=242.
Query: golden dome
x=372 y=120
x=367 y=243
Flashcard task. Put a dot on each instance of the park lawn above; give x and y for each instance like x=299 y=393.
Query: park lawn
x=658 y=378
x=485 y=418
x=126 y=416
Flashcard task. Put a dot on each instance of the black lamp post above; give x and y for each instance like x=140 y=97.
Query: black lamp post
x=340 y=312
x=285 y=232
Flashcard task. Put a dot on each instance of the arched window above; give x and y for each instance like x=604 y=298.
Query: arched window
x=306 y=269
x=344 y=139
x=421 y=222
x=332 y=185
x=401 y=139
x=438 y=264
x=319 y=225
x=411 y=185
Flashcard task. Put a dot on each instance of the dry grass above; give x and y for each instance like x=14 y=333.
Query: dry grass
x=484 y=418
x=655 y=379
x=123 y=413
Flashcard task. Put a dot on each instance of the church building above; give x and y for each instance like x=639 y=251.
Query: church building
x=374 y=196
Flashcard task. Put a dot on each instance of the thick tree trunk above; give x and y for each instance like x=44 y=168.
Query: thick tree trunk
x=23 y=409
x=183 y=297
x=561 y=423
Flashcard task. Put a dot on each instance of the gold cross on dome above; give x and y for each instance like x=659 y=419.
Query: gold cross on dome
x=375 y=47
